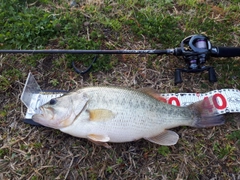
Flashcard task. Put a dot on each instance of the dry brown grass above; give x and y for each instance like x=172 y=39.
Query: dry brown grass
x=28 y=152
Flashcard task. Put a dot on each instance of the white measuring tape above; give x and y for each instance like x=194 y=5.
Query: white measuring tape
x=224 y=100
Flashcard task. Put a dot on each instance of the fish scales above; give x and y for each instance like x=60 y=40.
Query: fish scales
x=112 y=114
x=133 y=118
x=131 y=99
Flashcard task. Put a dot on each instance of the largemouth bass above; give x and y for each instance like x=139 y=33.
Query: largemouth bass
x=111 y=114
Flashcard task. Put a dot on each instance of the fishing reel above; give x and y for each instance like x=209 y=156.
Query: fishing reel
x=195 y=50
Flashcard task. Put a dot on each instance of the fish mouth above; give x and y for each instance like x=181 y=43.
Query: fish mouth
x=38 y=118
x=45 y=113
x=45 y=117
x=41 y=110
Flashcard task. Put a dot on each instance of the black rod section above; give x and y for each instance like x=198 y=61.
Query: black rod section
x=60 y=51
x=225 y=51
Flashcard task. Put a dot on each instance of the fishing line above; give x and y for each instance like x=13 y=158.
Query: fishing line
x=84 y=71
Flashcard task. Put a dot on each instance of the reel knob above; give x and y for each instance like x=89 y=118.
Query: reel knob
x=178 y=77
x=212 y=75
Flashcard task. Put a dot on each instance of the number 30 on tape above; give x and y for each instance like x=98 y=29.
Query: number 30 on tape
x=219 y=101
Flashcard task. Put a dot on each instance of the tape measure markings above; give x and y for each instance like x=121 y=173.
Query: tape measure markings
x=224 y=100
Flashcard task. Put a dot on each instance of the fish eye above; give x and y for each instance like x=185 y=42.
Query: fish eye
x=52 y=101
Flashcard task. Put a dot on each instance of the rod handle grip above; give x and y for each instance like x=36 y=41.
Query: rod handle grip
x=225 y=51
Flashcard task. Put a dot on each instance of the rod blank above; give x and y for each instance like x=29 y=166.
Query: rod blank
x=59 y=51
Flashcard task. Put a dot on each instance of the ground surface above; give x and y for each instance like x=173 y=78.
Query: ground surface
x=28 y=152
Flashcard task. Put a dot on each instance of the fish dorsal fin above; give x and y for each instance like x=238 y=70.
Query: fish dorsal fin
x=98 y=138
x=167 y=138
x=100 y=114
x=154 y=94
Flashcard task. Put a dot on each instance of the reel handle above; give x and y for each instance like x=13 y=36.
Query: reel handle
x=212 y=75
x=177 y=76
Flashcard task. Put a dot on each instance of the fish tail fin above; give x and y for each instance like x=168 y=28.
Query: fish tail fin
x=206 y=113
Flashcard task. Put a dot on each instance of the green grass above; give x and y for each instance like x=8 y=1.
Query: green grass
x=164 y=150
x=234 y=136
x=223 y=151
x=27 y=152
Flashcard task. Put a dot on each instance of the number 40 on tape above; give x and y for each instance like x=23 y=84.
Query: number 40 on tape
x=219 y=101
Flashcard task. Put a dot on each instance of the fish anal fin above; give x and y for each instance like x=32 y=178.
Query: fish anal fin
x=100 y=140
x=166 y=138
x=100 y=114
x=154 y=94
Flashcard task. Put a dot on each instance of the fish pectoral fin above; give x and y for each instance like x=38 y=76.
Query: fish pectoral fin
x=98 y=138
x=154 y=94
x=167 y=138
x=100 y=114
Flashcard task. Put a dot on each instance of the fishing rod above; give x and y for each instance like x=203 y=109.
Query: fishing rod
x=194 y=49
x=59 y=51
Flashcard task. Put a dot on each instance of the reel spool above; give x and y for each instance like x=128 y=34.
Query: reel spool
x=195 y=50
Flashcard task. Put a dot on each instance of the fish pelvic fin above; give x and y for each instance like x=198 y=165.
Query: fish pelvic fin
x=206 y=114
x=100 y=114
x=100 y=140
x=153 y=93
x=104 y=144
x=166 y=138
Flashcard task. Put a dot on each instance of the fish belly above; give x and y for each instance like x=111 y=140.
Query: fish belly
x=119 y=129
x=125 y=126
x=136 y=115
